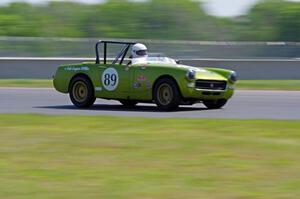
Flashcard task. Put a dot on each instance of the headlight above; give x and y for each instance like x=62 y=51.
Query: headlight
x=233 y=77
x=191 y=75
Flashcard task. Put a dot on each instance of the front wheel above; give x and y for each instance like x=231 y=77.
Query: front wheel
x=166 y=94
x=82 y=92
x=210 y=104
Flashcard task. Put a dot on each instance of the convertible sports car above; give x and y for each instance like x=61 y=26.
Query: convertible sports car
x=159 y=80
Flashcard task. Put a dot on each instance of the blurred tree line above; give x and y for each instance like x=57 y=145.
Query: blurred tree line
x=272 y=20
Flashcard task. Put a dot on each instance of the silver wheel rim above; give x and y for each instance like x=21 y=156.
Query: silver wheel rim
x=165 y=94
x=80 y=91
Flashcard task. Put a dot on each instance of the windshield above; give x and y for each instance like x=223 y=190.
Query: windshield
x=153 y=60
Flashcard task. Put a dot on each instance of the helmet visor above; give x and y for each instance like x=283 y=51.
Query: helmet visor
x=142 y=52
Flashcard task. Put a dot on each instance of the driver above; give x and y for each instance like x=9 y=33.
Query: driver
x=139 y=53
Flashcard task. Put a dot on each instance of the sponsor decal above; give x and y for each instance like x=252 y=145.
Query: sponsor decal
x=110 y=79
x=148 y=85
x=137 y=85
x=141 y=78
x=98 y=88
x=77 y=68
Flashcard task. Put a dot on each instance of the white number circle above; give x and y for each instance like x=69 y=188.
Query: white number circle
x=110 y=79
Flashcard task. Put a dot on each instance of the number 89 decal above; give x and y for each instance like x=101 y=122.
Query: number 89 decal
x=110 y=79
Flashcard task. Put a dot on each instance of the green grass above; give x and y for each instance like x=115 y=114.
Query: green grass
x=242 y=84
x=111 y=157
x=269 y=84
x=26 y=83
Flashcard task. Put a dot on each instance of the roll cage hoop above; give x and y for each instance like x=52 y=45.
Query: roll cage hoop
x=122 y=53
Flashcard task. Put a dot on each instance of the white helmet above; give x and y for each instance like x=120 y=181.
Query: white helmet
x=139 y=50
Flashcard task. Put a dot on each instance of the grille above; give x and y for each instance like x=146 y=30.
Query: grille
x=211 y=84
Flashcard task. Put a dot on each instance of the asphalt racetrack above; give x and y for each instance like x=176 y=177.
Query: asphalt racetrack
x=244 y=105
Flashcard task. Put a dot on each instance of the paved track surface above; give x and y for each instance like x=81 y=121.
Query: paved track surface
x=244 y=105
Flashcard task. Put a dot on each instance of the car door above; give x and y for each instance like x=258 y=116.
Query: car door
x=115 y=81
x=141 y=84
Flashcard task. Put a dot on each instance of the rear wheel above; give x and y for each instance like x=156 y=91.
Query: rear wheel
x=166 y=94
x=82 y=92
x=128 y=103
x=211 y=104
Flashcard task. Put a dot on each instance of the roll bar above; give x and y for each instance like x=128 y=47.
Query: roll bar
x=122 y=53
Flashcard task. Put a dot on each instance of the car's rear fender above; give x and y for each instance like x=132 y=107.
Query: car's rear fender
x=66 y=73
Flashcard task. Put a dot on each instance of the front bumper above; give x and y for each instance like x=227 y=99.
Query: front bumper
x=190 y=92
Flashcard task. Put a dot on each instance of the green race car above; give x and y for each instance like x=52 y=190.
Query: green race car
x=160 y=80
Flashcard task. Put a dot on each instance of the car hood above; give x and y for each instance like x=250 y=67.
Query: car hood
x=202 y=73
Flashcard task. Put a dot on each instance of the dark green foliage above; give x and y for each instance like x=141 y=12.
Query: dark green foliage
x=275 y=20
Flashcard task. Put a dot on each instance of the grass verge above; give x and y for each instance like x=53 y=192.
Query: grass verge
x=269 y=84
x=242 y=84
x=112 y=157
x=26 y=83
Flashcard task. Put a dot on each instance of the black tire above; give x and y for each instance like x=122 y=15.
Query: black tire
x=166 y=94
x=210 y=104
x=128 y=103
x=81 y=92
